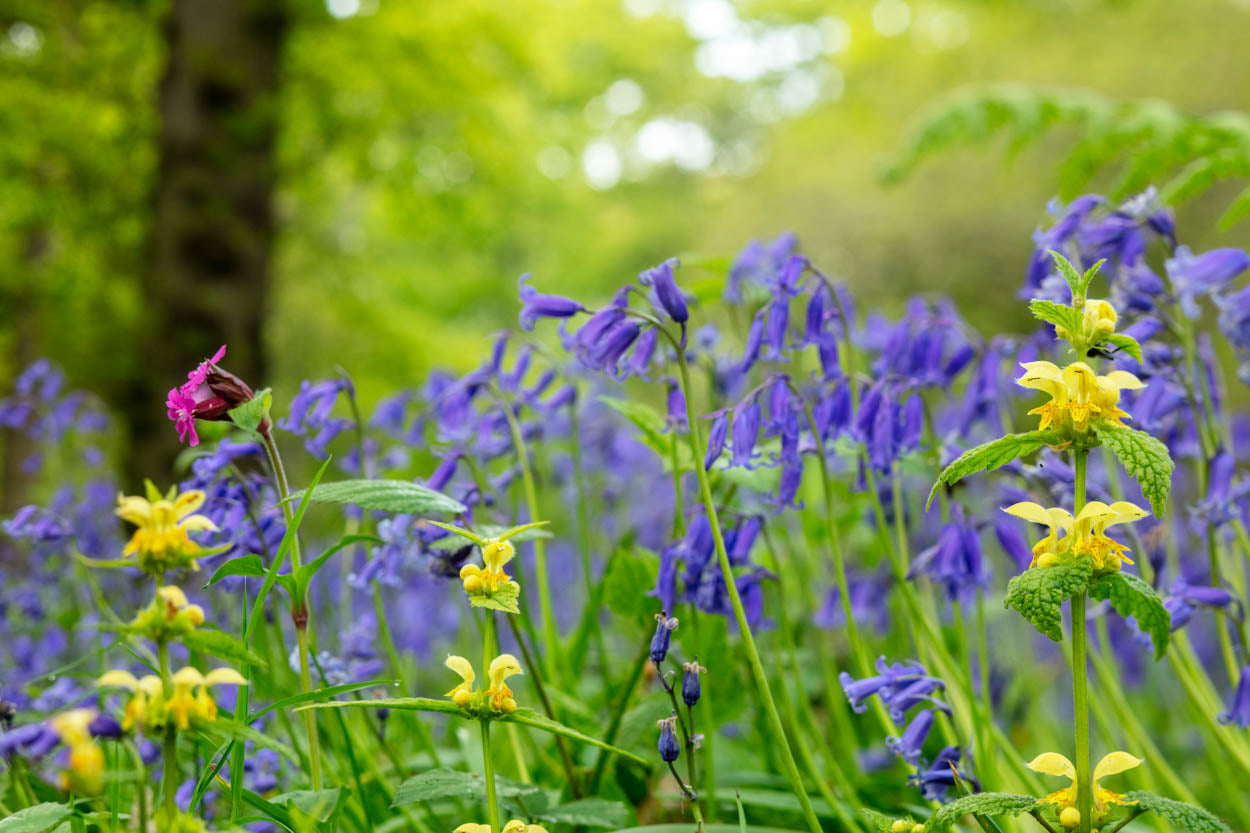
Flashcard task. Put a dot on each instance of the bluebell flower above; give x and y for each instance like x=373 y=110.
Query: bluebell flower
x=1238 y=713
x=746 y=428
x=1195 y=276
x=691 y=688
x=956 y=560
x=1183 y=598
x=535 y=305
x=755 y=340
x=668 y=746
x=660 y=278
x=260 y=770
x=888 y=679
x=105 y=726
x=664 y=627
x=33 y=741
x=899 y=700
x=310 y=412
x=675 y=404
x=866 y=591
x=910 y=745
x=936 y=781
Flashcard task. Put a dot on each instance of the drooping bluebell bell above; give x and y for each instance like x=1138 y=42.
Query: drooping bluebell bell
x=1184 y=598
x=745 y=432
x=660 y=642
x=535 y=305
x=1198 y=276
x=33 y=741
x=691 y=688
x=956 y=560
x=105 y=726
x=1238 y=713
x=887 y=679
x=936 y=781
x=672 y=300
x=866 y=591
x=310 y=411
x=668 y=745
x=910 y=744
x=900 y=699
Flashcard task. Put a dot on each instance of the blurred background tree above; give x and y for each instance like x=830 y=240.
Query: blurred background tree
x=426 y=154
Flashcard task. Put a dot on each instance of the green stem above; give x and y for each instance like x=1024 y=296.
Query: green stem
x=488 y=769
x=169 y=748
x=550 y=635
x=304 y=620
x=744 y=629
x=1080 y=693
x=310 y=723
x=141 y=784
x=565 y=759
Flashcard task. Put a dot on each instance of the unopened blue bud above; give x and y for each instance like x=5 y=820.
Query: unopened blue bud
x=664 y=627
x=669 y=749
x=691 y=689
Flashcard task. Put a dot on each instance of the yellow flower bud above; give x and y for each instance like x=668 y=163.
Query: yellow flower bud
x=899 y=826
x=1048 y=559
x=195 y=615
x=919 y=828
x=1070 y=817
x=472 y=584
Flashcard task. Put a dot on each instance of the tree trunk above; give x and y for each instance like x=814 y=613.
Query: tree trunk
x=213 y=226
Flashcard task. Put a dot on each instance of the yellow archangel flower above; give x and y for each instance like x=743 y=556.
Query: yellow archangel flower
x=86 y=758
x=190 y=697
x=1077 y=392
x=1098 y=320
x=163 y=523
x=1084 y=535
x=1052 y=763
x=495 y=554
x=499 y=696
x=146 y=706
x=514 y=826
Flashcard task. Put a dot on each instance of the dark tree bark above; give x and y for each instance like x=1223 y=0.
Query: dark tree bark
x=213 y=226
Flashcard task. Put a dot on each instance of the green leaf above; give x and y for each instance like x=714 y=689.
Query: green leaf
x=288 y=538
x=1060 y=315
x=319 y=805
x=243 y=565
x=1126 y=344
x=435 y=784
x=385 y=495
x=526 y=717
x=990 y=455
x=655 y=432
x=243 y=732
x=984 y=804
x=313 y=696
x=1184 y=816
x=1038 y=594
x=249 y=415
x=1131 y=596
x=206 y=640
x=1143 y=457
x=588 y=812
x=631 y=575
x=466 y=534
x=512 y=532
x=505 y=598
x=1076 y=281
x=420 y=704
x=483 y=532
x=879 y=822
x=34 y=819
x=1236 y=211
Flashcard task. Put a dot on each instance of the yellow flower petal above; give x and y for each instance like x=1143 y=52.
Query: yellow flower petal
x=503 y=667
x=1034 y=512
x=470 y=827
x=135 y=510
x=224 y=676
x=461 y=666
x=173 y=595
x=118 y=679
x=1120 y=380
x=1115 y=762
x=1052 y=763
x=188 y=678
x=188 y=502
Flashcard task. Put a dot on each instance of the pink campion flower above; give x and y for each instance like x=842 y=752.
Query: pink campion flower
x=181 y=409
x=209 y=393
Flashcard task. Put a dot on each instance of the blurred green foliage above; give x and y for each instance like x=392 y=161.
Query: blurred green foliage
x=432 y=152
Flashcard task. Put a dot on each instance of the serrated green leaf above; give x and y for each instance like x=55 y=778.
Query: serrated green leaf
x=1038 y=594
x=1060 y=315
x=984 y=804
x=249 y=415
x=243 y=565
x=990 y=455
x=505 y=598
x=1076 y=281
x=385 y=495
x=34 y=819
x=1126 y=344
x=1143 y=457
x=1131 y=596
x=588 y=812
x=1186 y=817
x=880 y=822
x=220 y=644
x=526 y=717
x=631 y=575
x=436 y=784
